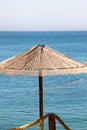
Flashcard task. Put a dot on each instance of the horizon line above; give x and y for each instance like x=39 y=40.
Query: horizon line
x=43 y=30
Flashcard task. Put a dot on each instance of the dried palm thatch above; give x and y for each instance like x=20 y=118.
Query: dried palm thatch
x=42 y=60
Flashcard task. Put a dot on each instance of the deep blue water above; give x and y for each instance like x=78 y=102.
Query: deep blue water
x=19 y=94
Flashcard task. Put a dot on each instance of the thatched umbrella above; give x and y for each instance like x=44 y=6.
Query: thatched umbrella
x=41 y=61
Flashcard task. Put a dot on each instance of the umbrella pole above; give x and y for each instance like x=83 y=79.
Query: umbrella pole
x=41 y=102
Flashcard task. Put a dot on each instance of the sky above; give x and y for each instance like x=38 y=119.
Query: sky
x=43 y=15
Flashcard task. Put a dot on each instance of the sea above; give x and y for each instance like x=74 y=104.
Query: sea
x=64 y=95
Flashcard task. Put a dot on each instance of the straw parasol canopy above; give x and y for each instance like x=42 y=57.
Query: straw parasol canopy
x=40 y=61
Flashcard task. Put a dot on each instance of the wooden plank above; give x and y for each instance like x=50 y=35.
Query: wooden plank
x=52 y=123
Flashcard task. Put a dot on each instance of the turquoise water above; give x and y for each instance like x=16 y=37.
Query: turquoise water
x=19 y=94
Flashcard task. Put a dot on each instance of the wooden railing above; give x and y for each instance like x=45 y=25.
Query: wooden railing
x=51 y=119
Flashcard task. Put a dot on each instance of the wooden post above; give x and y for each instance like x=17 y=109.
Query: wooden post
x=52 y=123
x=41 y=102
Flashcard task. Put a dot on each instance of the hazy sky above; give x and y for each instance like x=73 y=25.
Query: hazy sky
x=43 y=15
